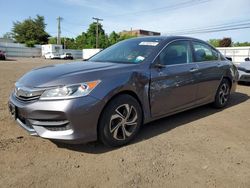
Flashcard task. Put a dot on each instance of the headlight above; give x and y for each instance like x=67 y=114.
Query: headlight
x=70 y=91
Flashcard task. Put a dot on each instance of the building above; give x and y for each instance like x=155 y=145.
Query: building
x=140 y=32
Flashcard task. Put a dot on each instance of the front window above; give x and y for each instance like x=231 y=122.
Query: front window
x=129 y=51
x=178 y=52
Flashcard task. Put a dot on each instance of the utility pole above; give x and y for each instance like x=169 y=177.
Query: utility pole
x=97 y=37
x=59 y=19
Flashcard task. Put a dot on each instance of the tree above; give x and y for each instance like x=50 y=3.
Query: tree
x=125 y=36
x=225 y=42
x=30 y=31
x=88 y=39
x=241 y=44
x=68 y=43
x=91 y=36
x=81 y=41
x=52 y=40
x=214 y=42
x=113 y=38
x=8 y=35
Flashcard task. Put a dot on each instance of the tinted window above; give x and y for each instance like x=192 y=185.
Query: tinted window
x=203 y=52
x=128 y=51
x=178 y=52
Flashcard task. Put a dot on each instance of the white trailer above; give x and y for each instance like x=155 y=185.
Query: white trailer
x=88 y=53
x=52 y=48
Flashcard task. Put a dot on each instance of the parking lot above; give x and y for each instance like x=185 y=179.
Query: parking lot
x=203 y=147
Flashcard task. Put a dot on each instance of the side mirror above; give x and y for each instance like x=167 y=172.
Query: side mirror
x=247 y=59
x=229 y=58
x=159 y=66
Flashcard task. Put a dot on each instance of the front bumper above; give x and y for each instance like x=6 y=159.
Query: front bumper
x=72 y=120
x=244 y=76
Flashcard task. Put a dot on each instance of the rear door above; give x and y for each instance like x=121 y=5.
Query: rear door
x=173 y=86
x=209 y=65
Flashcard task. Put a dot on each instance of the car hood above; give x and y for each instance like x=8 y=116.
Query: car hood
x=245 y=65
x=69 y=73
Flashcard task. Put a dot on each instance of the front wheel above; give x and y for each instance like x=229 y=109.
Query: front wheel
x=120 y=121
x=222 y=95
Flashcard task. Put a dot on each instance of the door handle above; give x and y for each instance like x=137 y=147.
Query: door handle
x=193 y=70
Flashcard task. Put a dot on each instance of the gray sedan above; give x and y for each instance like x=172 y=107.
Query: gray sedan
x=244 y=71
x=126 y=85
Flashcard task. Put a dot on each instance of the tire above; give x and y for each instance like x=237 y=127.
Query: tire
x=223 y=94
x=120 y=121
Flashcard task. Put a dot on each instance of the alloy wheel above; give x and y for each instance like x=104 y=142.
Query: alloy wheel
x=123 y=122
x=224 y=93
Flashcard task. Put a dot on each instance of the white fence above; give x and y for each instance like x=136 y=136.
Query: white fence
x=20 y=50
x=77 y=54
x=238 y=54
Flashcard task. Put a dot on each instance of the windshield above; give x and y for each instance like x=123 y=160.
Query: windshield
x=128 y=51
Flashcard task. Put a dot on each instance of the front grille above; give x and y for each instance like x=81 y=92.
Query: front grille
x=27 y=94
x=22 y=98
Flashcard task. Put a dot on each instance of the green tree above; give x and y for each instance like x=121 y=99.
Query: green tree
x=88 y=39
x=8 y=35
x=113 y=38
x=30 y=31
x=81 y=41
x=126 y=36
x=52 y=40
x=214 y=42
x=241 y=44
x=91 y=36
x=68 y=43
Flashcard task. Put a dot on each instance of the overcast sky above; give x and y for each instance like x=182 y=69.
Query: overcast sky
x=164 y=16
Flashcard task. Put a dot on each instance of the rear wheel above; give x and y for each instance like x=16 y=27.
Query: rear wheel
x=223 y=94
x=120 y=121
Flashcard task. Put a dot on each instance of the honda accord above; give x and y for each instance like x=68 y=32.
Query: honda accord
x=124 y=86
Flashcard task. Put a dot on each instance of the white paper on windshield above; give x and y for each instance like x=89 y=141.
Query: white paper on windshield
x=148 y=43
x=139 y=58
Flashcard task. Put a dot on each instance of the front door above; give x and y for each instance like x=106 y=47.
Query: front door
x=173 y=79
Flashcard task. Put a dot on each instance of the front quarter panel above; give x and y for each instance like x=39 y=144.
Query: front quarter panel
x=135 y=80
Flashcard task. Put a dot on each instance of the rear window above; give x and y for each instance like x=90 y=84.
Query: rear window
x=204 y=52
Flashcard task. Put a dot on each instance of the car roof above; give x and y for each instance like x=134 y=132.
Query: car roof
x=170 y=37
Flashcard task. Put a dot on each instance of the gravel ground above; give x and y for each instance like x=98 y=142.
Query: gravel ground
x=203 y=147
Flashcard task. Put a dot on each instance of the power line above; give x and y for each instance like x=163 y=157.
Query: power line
x=97 y=23
x=180 y=5
x=213 y=28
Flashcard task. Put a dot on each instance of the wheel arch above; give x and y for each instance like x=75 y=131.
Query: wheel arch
x=124 y=92
x=228 y=79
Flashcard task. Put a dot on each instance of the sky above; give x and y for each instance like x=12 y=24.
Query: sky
x=165 y=16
